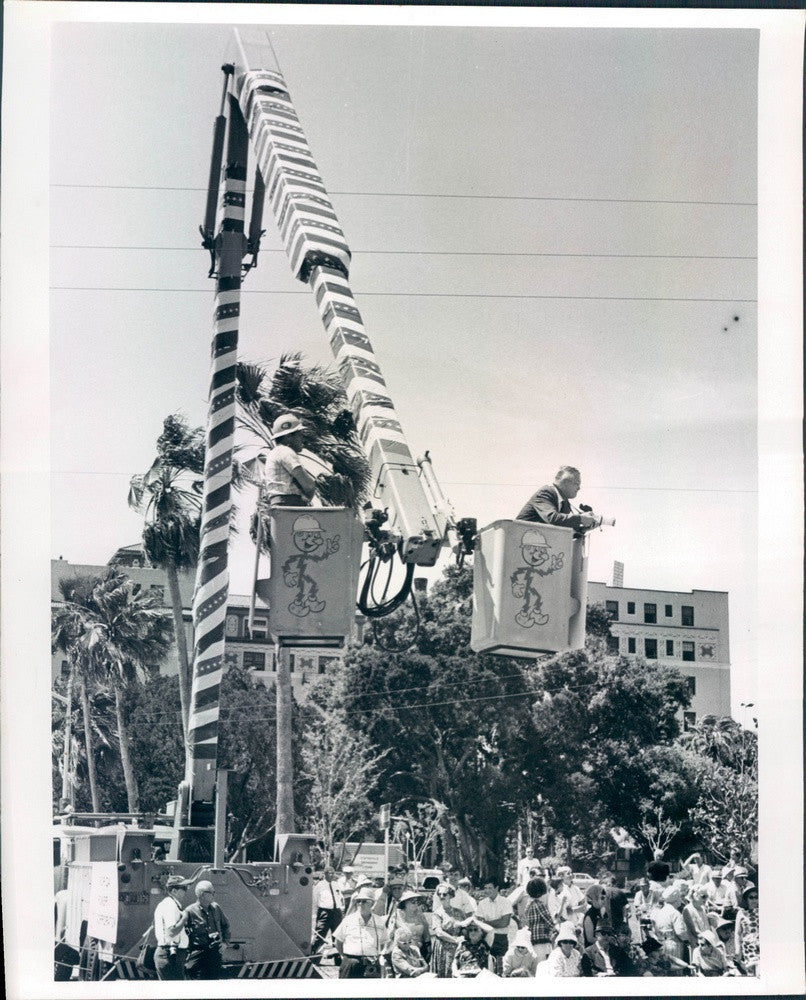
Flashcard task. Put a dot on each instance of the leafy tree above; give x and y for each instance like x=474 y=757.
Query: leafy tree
x=341 y=767
x=456 y=725
x=169 y=497
x=153 y=710
x=726 y=813
x=87 y=794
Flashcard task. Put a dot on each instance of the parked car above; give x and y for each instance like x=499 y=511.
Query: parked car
x=582 y=880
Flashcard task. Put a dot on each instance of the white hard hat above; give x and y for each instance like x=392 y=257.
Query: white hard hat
x=534 y=537
x=287 y=423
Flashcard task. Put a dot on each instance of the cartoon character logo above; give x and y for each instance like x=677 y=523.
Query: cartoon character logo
x=307 y=535
x=540 y=561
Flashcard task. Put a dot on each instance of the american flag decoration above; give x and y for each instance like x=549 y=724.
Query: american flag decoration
x=319 y=255
x=212 y=574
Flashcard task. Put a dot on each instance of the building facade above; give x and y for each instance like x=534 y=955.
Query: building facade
x=686 y=629
x=253 y=652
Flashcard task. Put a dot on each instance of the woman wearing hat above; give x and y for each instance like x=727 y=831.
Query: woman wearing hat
x=747 y=939
x=409 y=914
x=446 y=924
x=565 y=959
x=472 y=956
x=669 y=927
x=708 y=958
x=520 y=960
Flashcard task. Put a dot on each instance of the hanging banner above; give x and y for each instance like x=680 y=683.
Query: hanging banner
x=102 y=916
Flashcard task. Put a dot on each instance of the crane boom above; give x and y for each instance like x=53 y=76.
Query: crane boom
x=319 y=255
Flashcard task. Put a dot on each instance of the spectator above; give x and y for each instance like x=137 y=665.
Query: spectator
x=409 y=914
x=695 y=867
x=519 y=900
x=328 y=908
x=597 y=959
x=669 y=928
x=407 y=960
x=346 y=884
x=526 y=864
x=472 y=956
x=565 y=959
x=520 y=960
x=658 y=870
x=642 y=903
x=446 y=925
x=462 y=899
x=570 y=899
x=747 y=933
x=695 y=913
x=627 y=959
x=658 y=962
x=726 y=932
x=360 y=939
x=169 y=930
x=538 y=918
x=708 y=958
x=495 y=910
x=208 y=933
x=717 y=893
x=595 y=898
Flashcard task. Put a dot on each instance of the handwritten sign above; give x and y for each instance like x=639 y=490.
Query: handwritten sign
x=102 y=919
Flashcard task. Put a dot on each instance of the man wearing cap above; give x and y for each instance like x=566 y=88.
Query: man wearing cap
x=169 y=930
x=360 y=939
x=549 y=505
x=208 y=933
x=286 y=483
x=328 y=905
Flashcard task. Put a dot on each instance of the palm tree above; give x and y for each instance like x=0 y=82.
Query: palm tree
x=169 y=496
x=67 y=625
x=122 y=633
x=316 y=396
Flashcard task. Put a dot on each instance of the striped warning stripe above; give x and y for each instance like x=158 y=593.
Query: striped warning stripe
x=319 y=255
x=212 y=574
x=294 y=968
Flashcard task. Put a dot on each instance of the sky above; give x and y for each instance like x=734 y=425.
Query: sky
x=554 y=258
x=551 y=229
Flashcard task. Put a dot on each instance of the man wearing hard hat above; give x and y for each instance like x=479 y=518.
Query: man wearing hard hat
x=286 y=482
x=208 y=933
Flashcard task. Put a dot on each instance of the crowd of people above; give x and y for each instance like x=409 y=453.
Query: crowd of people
x=699 y=920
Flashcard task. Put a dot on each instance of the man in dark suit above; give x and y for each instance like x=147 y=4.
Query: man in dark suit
x=550 y=504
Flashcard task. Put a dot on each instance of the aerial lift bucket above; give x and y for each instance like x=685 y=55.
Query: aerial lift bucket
x=529 y=589
x=315 y=559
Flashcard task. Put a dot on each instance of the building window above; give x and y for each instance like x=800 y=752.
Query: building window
x=254 y=660
x=260 y=628
x=668 y=610
x=612 y=644
x=689 y=720
x=670 y=647
x=688 y=651
x=687 y=615
x=157 y=590
x=65 y=668
x=631 y=645
x=292 y=662
x=630 y=607
x=692 y=685
x=611 y=607
x=232 y=625
x=651 y=649
x=650 y=614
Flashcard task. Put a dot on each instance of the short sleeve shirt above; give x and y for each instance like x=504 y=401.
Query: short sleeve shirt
x=277 y=473
x=166 y=915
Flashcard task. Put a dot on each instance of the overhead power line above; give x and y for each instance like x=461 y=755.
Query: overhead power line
x=410 y=295
x=445 y=253
x=415 y=194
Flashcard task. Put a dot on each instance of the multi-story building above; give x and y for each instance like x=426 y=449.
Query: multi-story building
x=254 y=652
x=686 y=629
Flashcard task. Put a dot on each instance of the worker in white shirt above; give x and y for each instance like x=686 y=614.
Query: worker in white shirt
x=328 y=908
x=169 y=929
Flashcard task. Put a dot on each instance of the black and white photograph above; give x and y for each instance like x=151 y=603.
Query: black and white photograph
x=402 y=501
